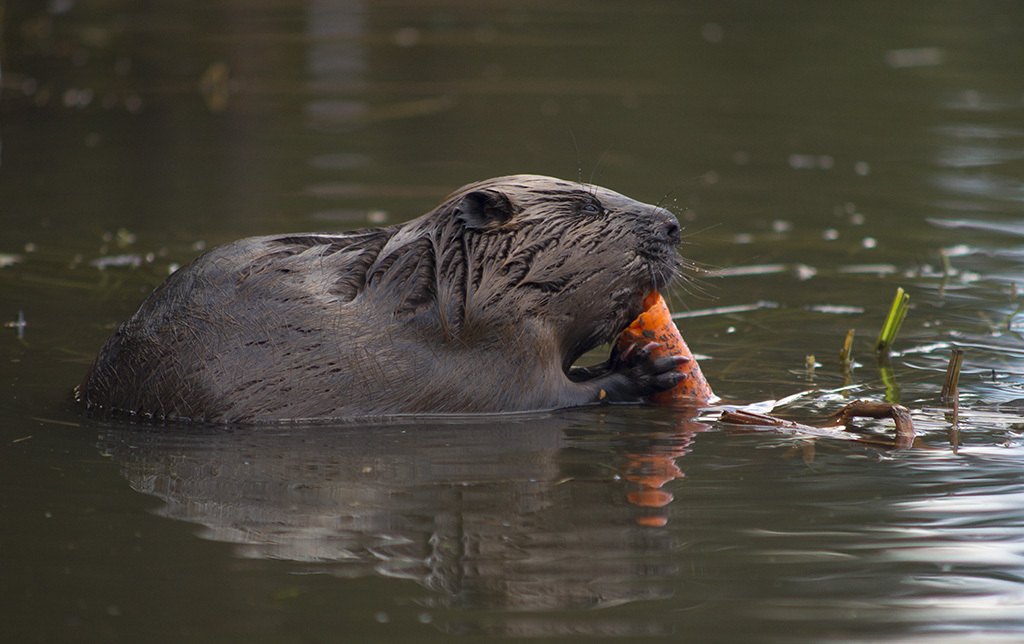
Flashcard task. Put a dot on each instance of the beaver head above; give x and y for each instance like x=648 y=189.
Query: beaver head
x=575 y=258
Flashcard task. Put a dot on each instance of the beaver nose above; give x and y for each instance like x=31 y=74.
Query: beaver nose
x=668 y=227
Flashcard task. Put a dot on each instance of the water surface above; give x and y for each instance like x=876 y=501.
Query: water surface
x=819 y=156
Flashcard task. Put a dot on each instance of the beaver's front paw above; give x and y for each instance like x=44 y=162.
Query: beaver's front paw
x=636 y=374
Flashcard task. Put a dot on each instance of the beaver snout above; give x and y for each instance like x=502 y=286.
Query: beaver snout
x=667 y=227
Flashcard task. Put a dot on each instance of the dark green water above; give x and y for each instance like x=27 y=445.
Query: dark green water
x=819 y=155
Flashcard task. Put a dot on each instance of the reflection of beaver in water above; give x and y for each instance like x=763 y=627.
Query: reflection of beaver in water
x=481 y=305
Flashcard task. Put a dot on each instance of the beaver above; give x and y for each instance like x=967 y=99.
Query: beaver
x=481 y=305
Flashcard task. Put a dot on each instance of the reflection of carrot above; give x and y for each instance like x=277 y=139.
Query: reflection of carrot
x=654 y=465
x=655 y=325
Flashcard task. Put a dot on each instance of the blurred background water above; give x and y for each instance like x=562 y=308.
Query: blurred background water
x=818 y=154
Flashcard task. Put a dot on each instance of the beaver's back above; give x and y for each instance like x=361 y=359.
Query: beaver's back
x=232 y=335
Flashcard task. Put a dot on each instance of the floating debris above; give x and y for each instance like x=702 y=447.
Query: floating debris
x=132 y=260
x=857 y=409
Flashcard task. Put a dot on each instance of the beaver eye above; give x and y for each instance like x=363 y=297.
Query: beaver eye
x=591 y=209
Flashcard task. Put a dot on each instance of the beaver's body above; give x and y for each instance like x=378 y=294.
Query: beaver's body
x=481 y=305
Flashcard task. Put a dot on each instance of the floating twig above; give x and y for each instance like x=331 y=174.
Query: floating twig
x=876 y=409
x=856 y=409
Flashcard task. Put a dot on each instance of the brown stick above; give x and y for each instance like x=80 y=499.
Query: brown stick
x=861 y=409
x=743 y=417
x=904 y=427
x=856 y=409
x=949 y=386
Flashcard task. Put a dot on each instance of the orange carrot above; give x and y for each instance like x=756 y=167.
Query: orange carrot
x=655 y=325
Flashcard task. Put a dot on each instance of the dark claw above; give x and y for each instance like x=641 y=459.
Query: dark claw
x=626 y=355
x=669 y=363
x=671 y=379
x=637 y=353
x=638 y=374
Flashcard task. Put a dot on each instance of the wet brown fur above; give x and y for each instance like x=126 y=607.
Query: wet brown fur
x=481 y=305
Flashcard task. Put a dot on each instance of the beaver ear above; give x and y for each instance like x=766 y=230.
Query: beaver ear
x=484 y=209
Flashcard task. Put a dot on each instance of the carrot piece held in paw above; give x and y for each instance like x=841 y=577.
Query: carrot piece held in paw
x=655 y=325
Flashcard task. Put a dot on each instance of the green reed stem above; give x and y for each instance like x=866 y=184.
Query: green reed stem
x=893 y=322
